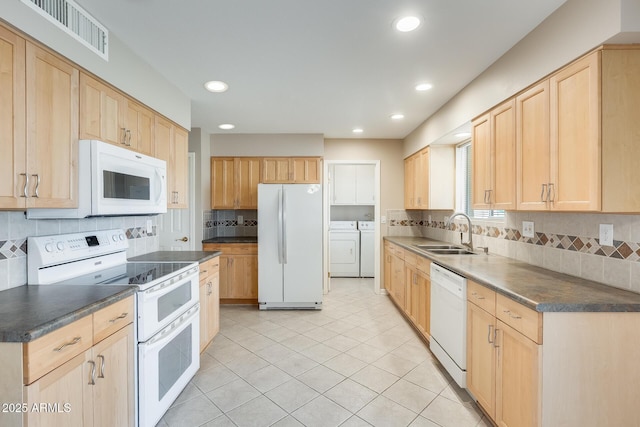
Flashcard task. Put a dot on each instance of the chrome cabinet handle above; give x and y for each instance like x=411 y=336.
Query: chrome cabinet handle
x=26 y=185
x=489 y=196
x=512 y=315
x=101 y=374
x=491 y=341
x=209 y=288
x=552 y=190
x=37 y=185
x=485 y=196
x=495 y=337
x=92 y=380
x=75 y=341
x=128 y=138
x=115 y=319
x=544 y=187
x=476 y=296
x=124 y=136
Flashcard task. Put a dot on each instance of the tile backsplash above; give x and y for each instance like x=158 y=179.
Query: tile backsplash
x=563 y=242
x=224 y=223
x=15 y=228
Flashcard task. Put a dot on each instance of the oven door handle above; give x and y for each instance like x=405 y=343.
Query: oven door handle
x=165 y=335
x=173 y=283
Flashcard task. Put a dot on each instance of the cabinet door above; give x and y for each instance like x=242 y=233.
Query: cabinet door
x=398 y=280
x=213 y=305
x=517 y=379
x=246 y=269
x=481 y=357
x=113 y=392
x=101 y=112
x=481 y=151
x=247 y=177
x=424 y=304
x=412 y=296
x=532 y=147
x=276 y=170
x=503 y=157
x=180 y=167
x=222 y=185
x=139 y=126
x=204 y=314
x=67 y=384
x=226 y=276
x=52 y=129
x=575 y=136
x=387 y=268
x=365 y=184
x=13 y=168
x=306 y=170
x=344 y=185
x=421 y=178
x=409 y=182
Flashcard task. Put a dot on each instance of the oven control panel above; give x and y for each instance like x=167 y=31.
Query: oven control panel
x=51 y=250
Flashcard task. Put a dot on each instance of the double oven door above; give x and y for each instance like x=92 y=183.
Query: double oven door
x=168 y=343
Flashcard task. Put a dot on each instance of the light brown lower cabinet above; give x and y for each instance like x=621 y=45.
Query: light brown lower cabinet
x=238 y=272
x=79 y=375
x=209 y=301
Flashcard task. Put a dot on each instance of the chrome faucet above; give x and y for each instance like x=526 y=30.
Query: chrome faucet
x=469 y=244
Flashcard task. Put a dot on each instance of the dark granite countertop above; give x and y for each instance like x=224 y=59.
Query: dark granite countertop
x=31 y=311
x=538 y=288
x=232 y=239
x=177 y=256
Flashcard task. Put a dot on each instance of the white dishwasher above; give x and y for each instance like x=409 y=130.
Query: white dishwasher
x=449 y=322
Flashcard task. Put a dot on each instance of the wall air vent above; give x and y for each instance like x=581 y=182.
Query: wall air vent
x=73 y=19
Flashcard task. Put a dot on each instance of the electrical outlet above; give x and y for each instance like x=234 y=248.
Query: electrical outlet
x=240 y=220
x=149 y=226
x=429 y=219
x=446 y=219
x=528 y=229
x=383 y=219
x=606 y=234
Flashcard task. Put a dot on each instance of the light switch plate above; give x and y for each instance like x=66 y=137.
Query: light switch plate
x=528 y=229
x=149 y=226
x=606 y=234
x=383 y=219
x=240 y=220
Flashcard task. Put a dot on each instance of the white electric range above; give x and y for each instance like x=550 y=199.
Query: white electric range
x=167 y=306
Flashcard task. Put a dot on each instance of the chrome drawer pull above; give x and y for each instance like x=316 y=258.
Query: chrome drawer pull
x=489 y=335
x=544 y=187
x=115 y=319
x=101 y=374
x=92 y=380
x=26 y=185
x=475 y=294
x=76 y=340
x=36 y=194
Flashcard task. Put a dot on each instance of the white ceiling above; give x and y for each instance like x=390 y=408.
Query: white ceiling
x=318 y=66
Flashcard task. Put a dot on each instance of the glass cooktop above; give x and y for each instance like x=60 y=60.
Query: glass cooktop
x=131 y=273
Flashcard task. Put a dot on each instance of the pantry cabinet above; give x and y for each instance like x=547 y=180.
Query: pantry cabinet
x=209 y=301
x=172 y=146
x=234 y=182
x=238 y=272
x=429 y=178
x=494 y=159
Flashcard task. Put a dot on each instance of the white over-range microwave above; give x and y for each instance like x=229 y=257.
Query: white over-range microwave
x=114 y=181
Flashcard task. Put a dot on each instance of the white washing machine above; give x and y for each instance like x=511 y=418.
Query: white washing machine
x=367 y=248
x=344 y=249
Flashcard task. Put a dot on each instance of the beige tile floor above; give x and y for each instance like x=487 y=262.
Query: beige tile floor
x=354 y=363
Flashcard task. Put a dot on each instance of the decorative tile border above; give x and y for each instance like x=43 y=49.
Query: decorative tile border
x=589 y=245
x=13 y=248
x=140 y=232
x=234 y=223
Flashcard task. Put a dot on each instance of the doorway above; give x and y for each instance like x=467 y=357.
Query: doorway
x=339 y=204
x=177 y=226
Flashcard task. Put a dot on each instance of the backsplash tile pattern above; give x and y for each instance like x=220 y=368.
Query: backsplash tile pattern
x=224 y=223
x=15 y=229
x=564 y=242
x=207 y=224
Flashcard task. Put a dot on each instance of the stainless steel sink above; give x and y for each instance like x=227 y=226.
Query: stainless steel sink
x=432 y=247
x=458 y=251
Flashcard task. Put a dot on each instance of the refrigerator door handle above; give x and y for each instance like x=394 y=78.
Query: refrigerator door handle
x=284 y=226
x=280 y=222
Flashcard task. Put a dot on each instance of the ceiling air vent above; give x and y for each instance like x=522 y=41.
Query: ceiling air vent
x=73 y=19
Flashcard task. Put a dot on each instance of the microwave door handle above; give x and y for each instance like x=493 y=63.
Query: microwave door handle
x=163 y=186
x=165 y=335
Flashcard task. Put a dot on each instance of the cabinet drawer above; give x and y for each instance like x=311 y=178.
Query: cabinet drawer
x=112 y=318
x=208 y=268
x=482 y=296
x=424 y=265
x=52 y=350
x=524 y=320
x=410 y=258
x=396 y=250
x=233 y=248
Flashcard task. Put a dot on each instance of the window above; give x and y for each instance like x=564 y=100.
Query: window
x=463 y=185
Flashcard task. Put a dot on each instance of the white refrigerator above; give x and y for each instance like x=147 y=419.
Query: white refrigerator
x=290 y=246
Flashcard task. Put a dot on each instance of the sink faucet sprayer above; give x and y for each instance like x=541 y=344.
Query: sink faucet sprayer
x=468 y=244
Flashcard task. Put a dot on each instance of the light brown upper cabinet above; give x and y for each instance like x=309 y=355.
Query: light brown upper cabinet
x=108 y=115
x=172 y=145
x=430 y=178
x=298 y=170
x=13 y=167
x=234 y=182
x=494 y=159
x=52 y=129
x=577 y=136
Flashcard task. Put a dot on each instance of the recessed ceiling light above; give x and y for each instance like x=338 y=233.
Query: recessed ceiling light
x=463 y=135
x=397 y=116
x=423 y=86
x=216 y=86
x=407 y=23
x=358 y=130
x=226 y=126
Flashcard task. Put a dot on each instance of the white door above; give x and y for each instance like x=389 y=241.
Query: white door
x=365 y=184
x=344 y=185
x=176 y=227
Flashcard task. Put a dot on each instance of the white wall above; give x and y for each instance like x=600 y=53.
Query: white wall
x=199 y=144
x=575 y=28
x=124 y=70
x=266 y=145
